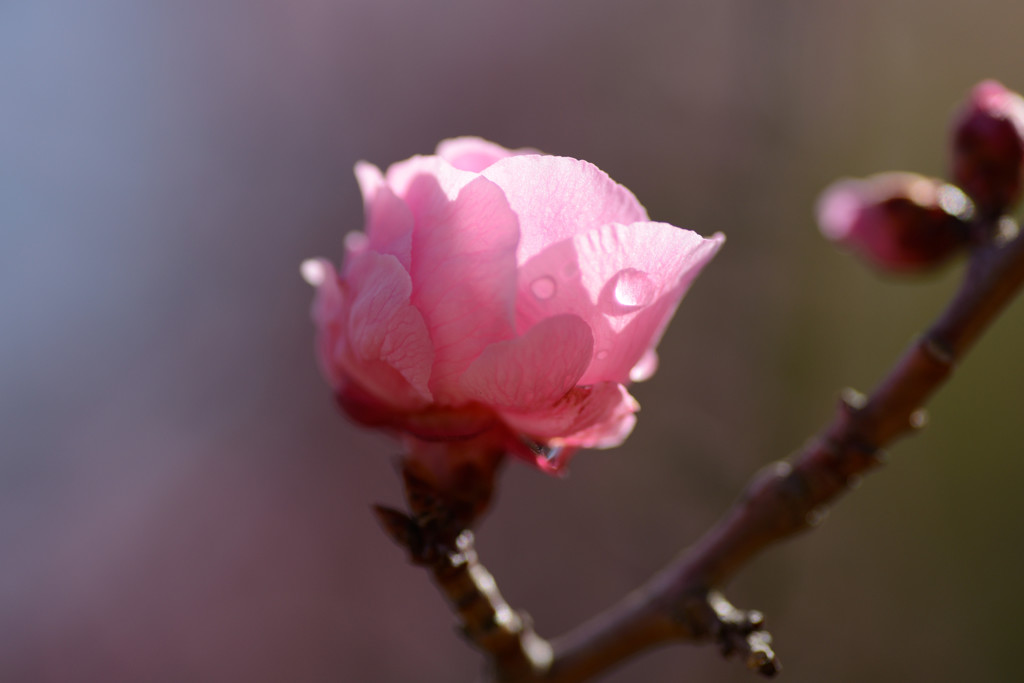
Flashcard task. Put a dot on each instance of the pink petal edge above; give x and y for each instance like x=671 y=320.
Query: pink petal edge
x=586 y=417
x=470 y=153
x=624 y=280
x=558 y=197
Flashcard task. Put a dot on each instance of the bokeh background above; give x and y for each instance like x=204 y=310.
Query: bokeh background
x=179 y=500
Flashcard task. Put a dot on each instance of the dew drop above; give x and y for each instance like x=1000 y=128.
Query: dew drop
x=633 y=288
x=547 y=451
x=628 y=290
x=955 y=202
x=543 y=287
x=602 y=354
x=645 y=367
x=1006 y=230
x=505 y=617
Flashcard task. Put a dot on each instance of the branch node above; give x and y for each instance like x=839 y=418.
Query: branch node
x=881 y=456
x=401 y=528
x=852 y=400
x=740 y=632
x=938 y=350
x=1006 y=231
x=791 y=482
x=816 y=516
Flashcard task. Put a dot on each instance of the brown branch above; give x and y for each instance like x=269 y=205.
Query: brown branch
x=682 y=602
x=785 y=498
x=436 y=538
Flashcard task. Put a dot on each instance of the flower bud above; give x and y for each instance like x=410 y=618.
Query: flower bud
x=988 y=147
x=897 y=221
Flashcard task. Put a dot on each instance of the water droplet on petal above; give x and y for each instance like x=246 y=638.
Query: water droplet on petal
x=602 y=354
x=547 y=451
x=627 y=291
x=645 y=367
x=543 y=287
x=633 y=288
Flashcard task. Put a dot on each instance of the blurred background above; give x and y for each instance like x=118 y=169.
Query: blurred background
x=180 y=501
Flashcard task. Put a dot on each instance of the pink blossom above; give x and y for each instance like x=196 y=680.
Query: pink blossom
x=500 y=292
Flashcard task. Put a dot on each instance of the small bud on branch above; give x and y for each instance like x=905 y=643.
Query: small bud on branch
x=897 y=221
x=988 y=148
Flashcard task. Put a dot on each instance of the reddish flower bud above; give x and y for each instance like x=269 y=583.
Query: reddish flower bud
x=988 y=147
x=897 y=221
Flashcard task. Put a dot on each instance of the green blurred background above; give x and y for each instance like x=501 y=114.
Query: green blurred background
x=179 y=500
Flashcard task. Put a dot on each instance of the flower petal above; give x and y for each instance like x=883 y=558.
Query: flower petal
x=464 y=280
x=384 y=331
x=613 y=429
x=624 y=280
x=587 y=416
x=389 y=221
x=475 y=154
x=426 y=184
x=328 y=312
x=535 y=370
x=557 y=197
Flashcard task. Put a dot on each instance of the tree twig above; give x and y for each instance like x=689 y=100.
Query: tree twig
x=683 y=602
x=785 y=498
x=436 y=538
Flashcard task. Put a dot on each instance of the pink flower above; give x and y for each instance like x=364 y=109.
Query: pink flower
x=502 y=293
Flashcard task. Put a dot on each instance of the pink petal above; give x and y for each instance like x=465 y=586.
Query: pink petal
x=624 y=280
x=587 y=416
x=535 y=370
x=838 y=208
x=557 y=197
x=370 y=180
x=389 y=222
x=426 y=184
x=328 y=312
x=613 y=429
x=386 y=347
x=475 y=154
x=464 y=280
x=320 y=273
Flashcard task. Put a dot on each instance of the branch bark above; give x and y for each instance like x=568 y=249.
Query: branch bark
x=682 y=602
x=436 y=536
x=788 y=497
